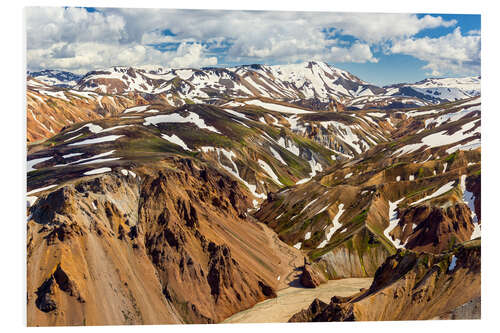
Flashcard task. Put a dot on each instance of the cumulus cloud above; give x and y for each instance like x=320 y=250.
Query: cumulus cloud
x=49 y=25
x=453 y=53
x=358 y=52
x=374 y=28
x=191 y=55
x=78 y=40
x=90 y=56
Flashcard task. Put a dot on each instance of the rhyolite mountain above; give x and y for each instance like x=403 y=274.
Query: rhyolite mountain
x=56 y=99
x=151 y=203
x=309 y=81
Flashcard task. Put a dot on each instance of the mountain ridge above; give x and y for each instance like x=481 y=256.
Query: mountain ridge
x=306 y=80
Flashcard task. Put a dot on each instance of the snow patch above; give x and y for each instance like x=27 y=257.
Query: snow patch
x=234 y=171
x=277 y=107
x=277 y=155
x=237 y=114
x=441 y=139
x=471 y=145
x=96 y=140
x=393 y=222
x=442 y=190
x=72 y=155
x=92 y=128
x=41 y=189
x=139 y=108
x=207 y=149
x=336 y=226
x=176 y=141
x=97 y=171
x=192 y=117
x=468 y=198
x=35 y=161
x=31 y=199
x=376 y=114
x=289 y=145
x=267 y=168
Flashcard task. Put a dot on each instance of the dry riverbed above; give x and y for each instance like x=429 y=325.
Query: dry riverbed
x=293 y=299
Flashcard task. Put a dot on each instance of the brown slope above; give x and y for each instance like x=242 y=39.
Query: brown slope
x=108 y=280
x=172 y=245
x=411 y=286
x=45 y=119
x=365 y=186
x=50 y=109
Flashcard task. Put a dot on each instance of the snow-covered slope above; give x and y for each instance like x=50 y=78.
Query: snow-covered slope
x=438 y=90
x=310 y=84
x=56 y=78
x=310 y=80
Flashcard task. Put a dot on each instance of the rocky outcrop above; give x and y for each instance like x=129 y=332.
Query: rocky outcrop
x=59 y=280
x=434 y=229
x=310 y=277
x=411 y=286
x=316 y=307
x=181 y=213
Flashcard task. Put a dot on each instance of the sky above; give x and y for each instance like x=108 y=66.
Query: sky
x=378 y=48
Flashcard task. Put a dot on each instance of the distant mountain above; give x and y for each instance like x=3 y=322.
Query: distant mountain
x=310 y=84
x=306 y=81
x=56 y=78
x=439 y=90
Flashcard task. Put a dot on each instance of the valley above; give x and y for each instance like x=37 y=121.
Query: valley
x=293 y=299
x=251 y=194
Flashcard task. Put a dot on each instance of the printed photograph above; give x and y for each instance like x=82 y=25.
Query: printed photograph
x=225 y=166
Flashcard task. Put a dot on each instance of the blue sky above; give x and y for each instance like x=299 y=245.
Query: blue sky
x=378 y=48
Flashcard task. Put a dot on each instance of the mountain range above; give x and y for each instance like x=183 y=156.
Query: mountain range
x=313 y=86
x=191 y=195
x=305 y=81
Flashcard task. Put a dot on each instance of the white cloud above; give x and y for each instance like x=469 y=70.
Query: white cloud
x=49 y=25
x=77 y=40
x=474 y=32
x=450 y=54
x=90 y=56
x=358 y=52
x=191 y=55
x=375 y=28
